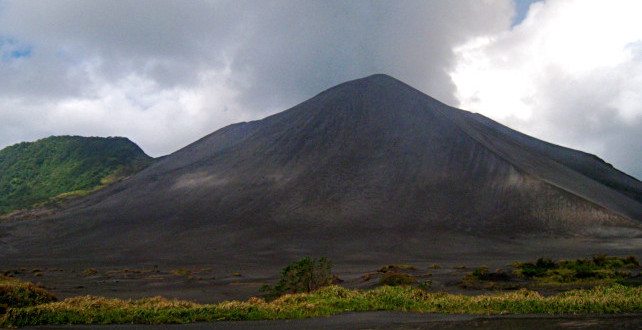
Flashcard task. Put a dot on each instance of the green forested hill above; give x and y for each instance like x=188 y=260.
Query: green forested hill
x=55 y=168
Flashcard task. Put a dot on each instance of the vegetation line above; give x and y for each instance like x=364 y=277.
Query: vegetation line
x=324 y=302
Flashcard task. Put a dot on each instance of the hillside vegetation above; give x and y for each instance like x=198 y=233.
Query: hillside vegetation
x=51 y=170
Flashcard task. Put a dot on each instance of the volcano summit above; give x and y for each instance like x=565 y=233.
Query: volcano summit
x=369 y=167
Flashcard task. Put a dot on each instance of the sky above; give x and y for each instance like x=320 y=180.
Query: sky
x=165 y=73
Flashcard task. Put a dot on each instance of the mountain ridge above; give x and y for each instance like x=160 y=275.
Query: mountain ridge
x=366 y=167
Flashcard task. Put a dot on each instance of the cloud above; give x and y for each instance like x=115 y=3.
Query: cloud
x=168 y=72
x=132 y=106
x=570 y=73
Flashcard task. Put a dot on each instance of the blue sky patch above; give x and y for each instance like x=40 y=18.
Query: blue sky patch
x=521 y=7
x=10 y=49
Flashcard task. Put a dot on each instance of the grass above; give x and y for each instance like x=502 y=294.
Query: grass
x=17 y=293
x=324 y=302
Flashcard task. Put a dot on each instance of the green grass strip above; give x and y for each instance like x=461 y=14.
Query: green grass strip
x=324 y=302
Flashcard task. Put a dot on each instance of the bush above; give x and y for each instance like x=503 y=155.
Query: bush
x=394 y=279
x=305 y=275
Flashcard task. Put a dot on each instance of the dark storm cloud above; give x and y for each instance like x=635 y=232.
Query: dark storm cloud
x=215 y=62
x=297 y=49
x=300 y=46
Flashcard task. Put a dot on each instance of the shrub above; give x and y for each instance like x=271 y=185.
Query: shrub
x=305 y=275
x=598 y=267
x=394 y=279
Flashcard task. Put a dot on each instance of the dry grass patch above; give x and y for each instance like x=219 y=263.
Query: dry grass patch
x=17 y=293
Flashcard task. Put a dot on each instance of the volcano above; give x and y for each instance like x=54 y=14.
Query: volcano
x=371 y=166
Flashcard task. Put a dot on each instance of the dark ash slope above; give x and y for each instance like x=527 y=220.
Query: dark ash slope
x=366 y=167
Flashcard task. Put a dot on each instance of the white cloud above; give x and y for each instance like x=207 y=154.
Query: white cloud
x=132 y=106
x=570 y=73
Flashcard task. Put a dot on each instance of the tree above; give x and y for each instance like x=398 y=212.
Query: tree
x=305 y=275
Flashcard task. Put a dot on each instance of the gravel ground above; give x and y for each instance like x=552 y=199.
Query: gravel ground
x=389 y=320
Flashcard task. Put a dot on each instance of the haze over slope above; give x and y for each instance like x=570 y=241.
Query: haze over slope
x=362 y=167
